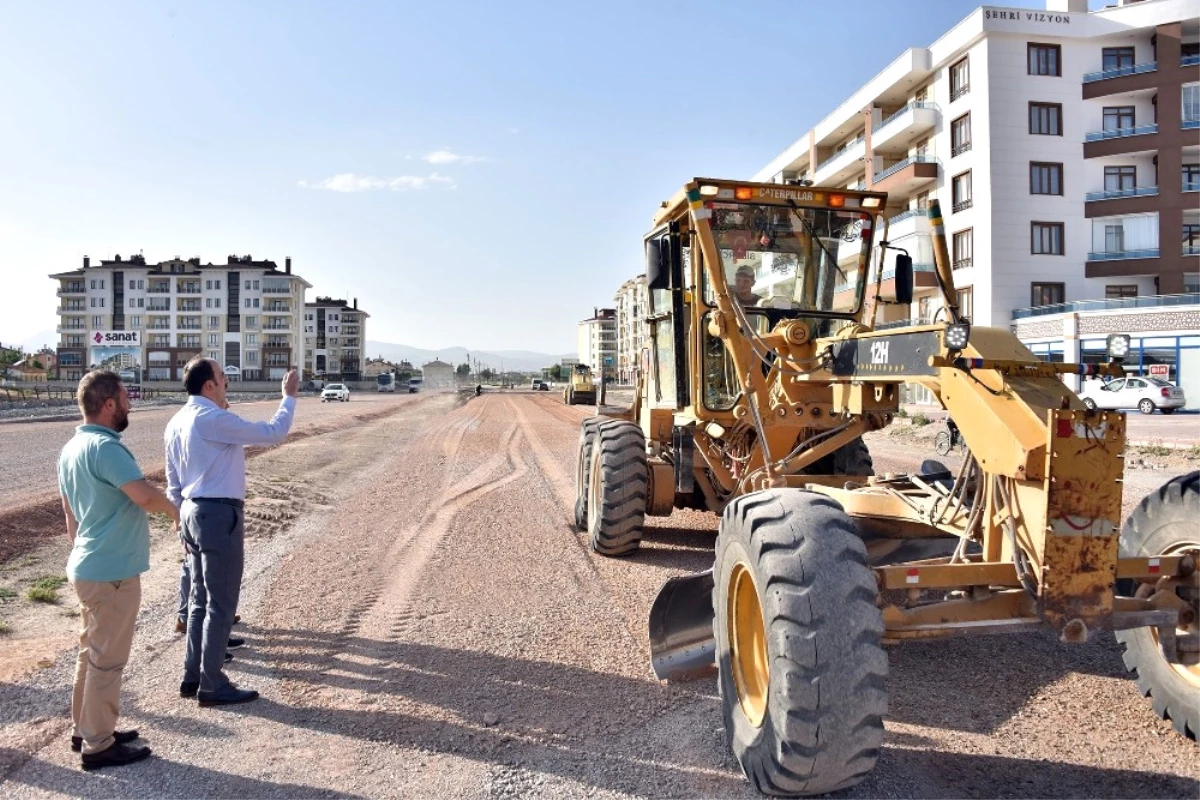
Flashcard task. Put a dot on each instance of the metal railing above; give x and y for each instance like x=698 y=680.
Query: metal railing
x=1113 y=194
x=1117 y=72
x=897 y=114
x=962 y=263
x=903 y=215
x=1147 y=301
x=1120 y=133
x=899 y=165
x=849 y=146
x=962 y=206
x=1123 y=255
x=960 y=149
x=959 y=92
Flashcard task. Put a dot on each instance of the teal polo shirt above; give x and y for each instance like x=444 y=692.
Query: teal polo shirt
x=113 y=540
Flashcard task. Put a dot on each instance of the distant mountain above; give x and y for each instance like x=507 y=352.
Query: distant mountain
x=517 y=360
x=39 y=340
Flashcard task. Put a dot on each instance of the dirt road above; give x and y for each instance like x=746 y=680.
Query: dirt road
x=422 y=621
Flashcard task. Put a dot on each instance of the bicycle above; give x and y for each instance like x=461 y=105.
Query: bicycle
x=948 y=439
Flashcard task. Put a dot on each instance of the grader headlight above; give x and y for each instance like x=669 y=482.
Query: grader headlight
x=957 y=335
x=1118 y=346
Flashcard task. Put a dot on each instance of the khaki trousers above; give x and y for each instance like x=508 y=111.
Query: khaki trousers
x=110 y=609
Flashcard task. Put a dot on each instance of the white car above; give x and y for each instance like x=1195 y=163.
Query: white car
x=1144 y=394
x=336 y=391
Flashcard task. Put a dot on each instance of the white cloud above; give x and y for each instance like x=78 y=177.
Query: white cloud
x=349 y=182
x=448 y=156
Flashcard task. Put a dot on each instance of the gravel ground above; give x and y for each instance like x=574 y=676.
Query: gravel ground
x=423 y=621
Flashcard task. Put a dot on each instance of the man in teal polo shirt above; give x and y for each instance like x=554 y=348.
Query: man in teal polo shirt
x=105 y=500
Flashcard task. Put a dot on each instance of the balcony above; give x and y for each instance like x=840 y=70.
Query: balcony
x=71 y=310
x=161 y=288
x=904 y=176
x=1121 y=133
x=188 y=288
x=907 y=223
x=152 y=306
x=276 y=309
x=1138 y=191
x=1123 y=255
x=189 y=306
x=842 y=164
x=269 y=289
x=74 y=288
x=277 y=325
x=1148 y=301
x=903 y=125
x=65 y=328
x=1136 y=69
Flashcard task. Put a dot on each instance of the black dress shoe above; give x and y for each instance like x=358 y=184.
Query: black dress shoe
x=227 y=696
x=189 y=688
x=234 y=644
x=116 y=756
x=121 y=737
x=237 y=618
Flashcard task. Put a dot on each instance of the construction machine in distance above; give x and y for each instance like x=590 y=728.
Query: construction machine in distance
x=580 y=388
x=752 y=403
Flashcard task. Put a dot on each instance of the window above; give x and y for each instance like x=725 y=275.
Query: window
x=214 y=340
x=1120 y=179
x=1045 y=119
x=141 y=284
x=966 y=302
x=922 y=149
x=217 y=284
x=208 y=285
x=135 y=322
x=93 y=301
x=1118 y=118
x=960 y=79
x=97 y=321
x=1047 y=294
x=1114 y=238
x=964 y=249
x=1191 y=239
x=214 y=322
x=247 y=302
x=251 y=356
x=1045 y=59
x=925 y=310
x=256 y=300
x=1120 y=290
x=247 y=285
x=251 y=322
x=251 y=338
x=960 y=135
x=93 y=283
x=132 y=284
x=132 y=303
x=1191 y=177
x=960 y=189
x=256 y=285
x=1117 y=58
x=1046 y=238
x=1191 y=102
x=208 y=302
x=1045 y=178
x=102 y=283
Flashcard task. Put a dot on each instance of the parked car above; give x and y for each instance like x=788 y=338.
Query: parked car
x=336 y=391
x=1145 y=394
x=542 y=386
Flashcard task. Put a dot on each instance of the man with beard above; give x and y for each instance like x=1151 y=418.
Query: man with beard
x=105 y=500
x=206 y=479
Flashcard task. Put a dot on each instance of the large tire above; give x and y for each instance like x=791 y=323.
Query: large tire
x=618 y=487
x=1165 y=522
x=801 y=667
x=583 y=464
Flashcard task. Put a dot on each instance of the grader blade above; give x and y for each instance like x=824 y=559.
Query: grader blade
x=681 y=626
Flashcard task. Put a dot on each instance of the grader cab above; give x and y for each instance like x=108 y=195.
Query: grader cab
x=767 y=363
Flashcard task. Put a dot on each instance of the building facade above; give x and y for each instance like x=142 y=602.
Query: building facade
x=1063 y=148
x=597 y=339
x=335 y=335
x=632 y=301
x=148 y=320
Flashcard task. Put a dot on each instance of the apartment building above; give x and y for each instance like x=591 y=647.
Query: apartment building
x=632 y=301
x=335 y=335
x=1063 y=147
x=148 y=320
x=598 y=341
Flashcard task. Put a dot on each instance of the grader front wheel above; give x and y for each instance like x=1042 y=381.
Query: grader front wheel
x=1164 y=523
x=801 y=667
x=617 y=489
x=583 y=467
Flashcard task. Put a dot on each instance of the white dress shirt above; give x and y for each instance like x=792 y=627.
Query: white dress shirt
x=205 y=448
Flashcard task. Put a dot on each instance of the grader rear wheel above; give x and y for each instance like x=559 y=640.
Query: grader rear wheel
x=583 y=465
x=618 y=487
x=801 y=667
x=1164 y=523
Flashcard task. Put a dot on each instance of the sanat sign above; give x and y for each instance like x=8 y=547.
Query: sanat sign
x=117 y=338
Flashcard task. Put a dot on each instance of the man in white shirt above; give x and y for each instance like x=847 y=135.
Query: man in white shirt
x=206 y=480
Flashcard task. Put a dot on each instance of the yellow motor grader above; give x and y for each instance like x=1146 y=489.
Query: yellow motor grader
x=767 y=363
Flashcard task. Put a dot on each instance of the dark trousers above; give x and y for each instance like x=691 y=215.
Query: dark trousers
x=185 y=591
x=215 y=538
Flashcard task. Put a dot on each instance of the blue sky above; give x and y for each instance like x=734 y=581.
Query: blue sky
x=505 y=158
